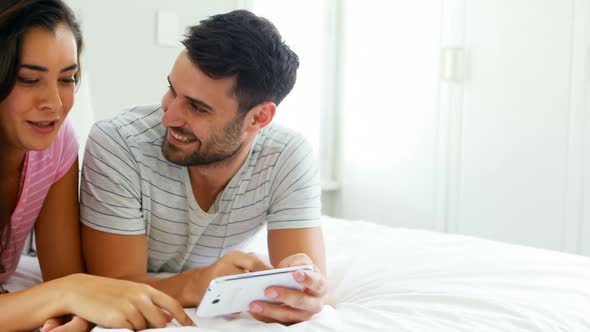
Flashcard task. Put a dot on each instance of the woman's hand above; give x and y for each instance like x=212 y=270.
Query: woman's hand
x=118 y=303
x=67 y=324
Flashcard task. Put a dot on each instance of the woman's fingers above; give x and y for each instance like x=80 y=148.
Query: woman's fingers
x=172 y=306
x=136 y=318
x=154 y=315
x=51 y=324
x=76 y=324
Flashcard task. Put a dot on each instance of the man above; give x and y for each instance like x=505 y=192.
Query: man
x=182 y=187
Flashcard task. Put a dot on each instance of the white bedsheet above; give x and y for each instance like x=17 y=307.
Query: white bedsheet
x=409 y=280
x=27 y=274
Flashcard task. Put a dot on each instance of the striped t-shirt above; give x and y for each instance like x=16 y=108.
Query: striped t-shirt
x=128 y=187
x=41 y=169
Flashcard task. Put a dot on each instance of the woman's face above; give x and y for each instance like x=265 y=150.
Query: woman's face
x=44 y=90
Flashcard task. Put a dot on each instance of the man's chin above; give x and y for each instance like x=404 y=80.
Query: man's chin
x=174 y=160
x=173 y=154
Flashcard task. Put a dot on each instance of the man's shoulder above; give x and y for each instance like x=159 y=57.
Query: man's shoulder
x=276 y=137
x=137 y=124
x=278 y=146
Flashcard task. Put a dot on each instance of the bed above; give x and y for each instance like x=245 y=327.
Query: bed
x=392 y=279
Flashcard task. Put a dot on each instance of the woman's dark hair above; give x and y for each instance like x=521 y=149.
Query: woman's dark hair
x=248 y=47
x=16 y=17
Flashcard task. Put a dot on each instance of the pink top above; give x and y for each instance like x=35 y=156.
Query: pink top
x=41 y=170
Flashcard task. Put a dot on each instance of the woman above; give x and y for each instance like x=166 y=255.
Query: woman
x=40 y=46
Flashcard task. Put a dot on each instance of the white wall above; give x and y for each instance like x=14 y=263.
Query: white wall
x=502 y=153
x=580 y=214
x=124 y=64
x=515 y=112
x=388 y=112
x=516 y=125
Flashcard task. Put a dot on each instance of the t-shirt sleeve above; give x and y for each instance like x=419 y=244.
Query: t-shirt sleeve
x=67 y=143
x=110 y=190
x=296 y=192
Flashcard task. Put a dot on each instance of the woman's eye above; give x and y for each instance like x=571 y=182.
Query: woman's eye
x=69 y=80
x=26 y=80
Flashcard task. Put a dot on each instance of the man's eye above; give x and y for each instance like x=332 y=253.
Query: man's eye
x=198 y=108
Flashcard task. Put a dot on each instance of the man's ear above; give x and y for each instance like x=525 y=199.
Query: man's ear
x=261 y=115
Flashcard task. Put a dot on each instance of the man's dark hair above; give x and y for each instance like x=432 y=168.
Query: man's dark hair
x=248 y=47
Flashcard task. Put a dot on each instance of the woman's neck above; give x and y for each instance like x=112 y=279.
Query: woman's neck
x=11 y=162
x=11 y=158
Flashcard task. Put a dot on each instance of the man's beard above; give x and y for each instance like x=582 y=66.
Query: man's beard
x=216 y=149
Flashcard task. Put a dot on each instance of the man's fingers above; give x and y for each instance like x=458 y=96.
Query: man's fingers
x=314 y=282
x=295 y=305
x=274 y=312
x=262 y=318
x=296 y=260
x=173 y=307
x=237 y=262
x=295 y=299
x=253 y=263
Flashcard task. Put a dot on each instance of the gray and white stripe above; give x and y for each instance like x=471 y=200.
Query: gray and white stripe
x=128 y=187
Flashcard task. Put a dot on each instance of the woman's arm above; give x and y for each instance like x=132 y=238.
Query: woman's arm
x=103 y=301
x=30 y=308
x=57 y=230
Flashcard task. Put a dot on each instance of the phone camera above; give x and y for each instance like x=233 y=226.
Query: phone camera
x=215 y=301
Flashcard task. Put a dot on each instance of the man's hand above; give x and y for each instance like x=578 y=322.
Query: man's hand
x=297 y=306
x=235 y=262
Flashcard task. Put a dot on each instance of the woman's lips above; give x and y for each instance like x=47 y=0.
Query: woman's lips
x=43 y=127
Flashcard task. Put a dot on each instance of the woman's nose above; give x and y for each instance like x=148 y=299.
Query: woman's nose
x=49 y=98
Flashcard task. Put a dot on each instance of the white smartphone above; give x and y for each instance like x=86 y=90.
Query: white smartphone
x=234 y=293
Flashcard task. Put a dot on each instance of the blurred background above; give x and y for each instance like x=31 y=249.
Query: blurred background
x=462 y=116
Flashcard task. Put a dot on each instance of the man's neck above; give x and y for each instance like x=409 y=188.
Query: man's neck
x=207 y=181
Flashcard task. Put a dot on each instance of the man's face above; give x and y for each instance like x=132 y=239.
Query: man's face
x=201 y=116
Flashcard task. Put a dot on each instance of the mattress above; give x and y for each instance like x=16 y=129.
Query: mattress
x=393 y=279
